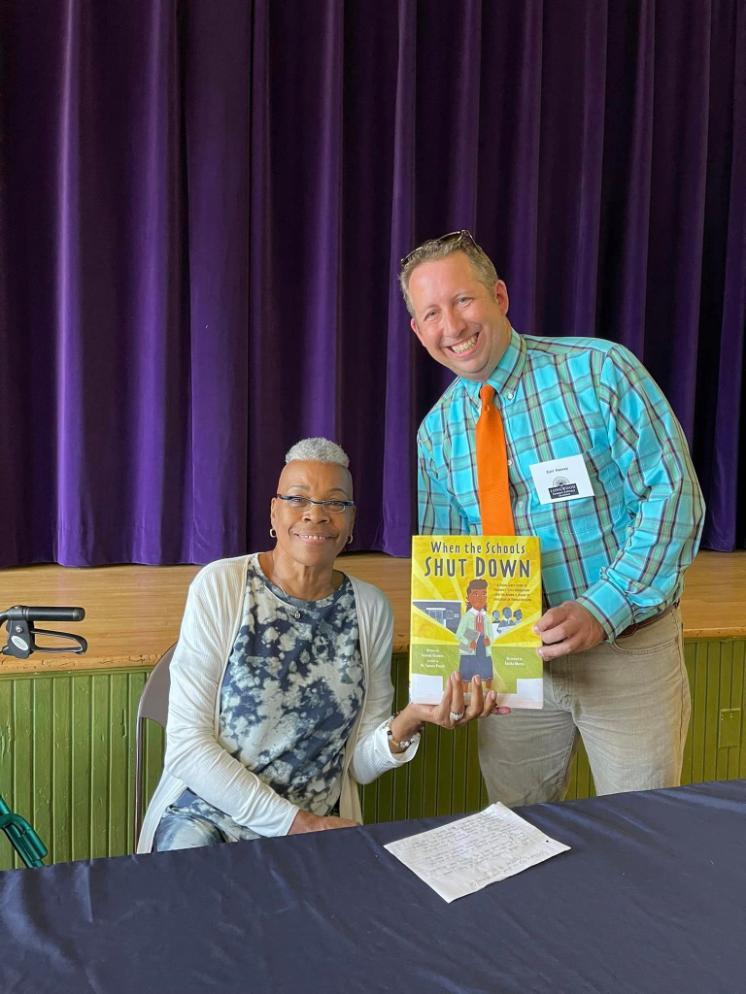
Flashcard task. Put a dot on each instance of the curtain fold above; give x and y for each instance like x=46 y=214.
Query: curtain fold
x=213 y=177
x=202 y=209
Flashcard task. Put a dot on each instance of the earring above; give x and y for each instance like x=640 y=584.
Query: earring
x=350 y=538
x=272 y=533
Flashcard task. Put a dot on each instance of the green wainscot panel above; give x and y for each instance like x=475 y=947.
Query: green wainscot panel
x=67 y=759
x=444 y=777
x=67 y=753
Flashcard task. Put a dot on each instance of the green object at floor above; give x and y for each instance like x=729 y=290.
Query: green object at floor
x=22 y=837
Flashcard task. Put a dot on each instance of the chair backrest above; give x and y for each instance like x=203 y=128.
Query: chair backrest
x=153 y=706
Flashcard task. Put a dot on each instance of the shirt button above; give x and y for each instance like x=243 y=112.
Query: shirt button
x=509 y=396
x=510 y=462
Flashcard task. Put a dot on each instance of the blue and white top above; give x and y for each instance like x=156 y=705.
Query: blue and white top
x=290 y=695
x=195 y=757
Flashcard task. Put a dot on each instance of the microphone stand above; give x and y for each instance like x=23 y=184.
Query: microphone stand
x=21 y=643
x=22 y=631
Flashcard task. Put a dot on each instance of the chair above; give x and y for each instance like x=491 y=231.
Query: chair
x=153 y=706
x=21 y=836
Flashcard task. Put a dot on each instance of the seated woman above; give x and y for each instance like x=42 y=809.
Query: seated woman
x=281 y=693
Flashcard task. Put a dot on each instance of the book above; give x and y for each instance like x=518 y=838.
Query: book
x=475 y=600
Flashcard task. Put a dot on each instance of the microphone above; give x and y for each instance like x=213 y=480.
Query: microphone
x=22 y=633
x=21 y=613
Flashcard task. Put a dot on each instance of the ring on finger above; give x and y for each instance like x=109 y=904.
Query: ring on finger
x=456 y=715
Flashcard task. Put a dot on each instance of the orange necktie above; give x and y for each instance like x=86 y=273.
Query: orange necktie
x=492 y=469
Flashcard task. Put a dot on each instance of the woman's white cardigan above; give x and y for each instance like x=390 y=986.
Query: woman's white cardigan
x=195 y=758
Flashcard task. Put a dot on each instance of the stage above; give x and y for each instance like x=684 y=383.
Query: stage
x=133 y=612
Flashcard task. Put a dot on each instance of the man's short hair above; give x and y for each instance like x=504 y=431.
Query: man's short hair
x=318 y=450
x=440 y=248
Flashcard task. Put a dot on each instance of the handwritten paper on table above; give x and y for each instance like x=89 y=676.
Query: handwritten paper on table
x=466 y=855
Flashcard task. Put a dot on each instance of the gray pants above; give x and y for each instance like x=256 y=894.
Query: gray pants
x=628 y=700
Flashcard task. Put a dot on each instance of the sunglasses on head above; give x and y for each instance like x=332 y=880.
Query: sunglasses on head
x=463 y=237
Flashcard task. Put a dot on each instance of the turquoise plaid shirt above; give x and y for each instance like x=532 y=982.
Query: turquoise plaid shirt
x=620 y=553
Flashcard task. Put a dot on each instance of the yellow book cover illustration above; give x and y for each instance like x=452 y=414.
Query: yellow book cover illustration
x=475 y=600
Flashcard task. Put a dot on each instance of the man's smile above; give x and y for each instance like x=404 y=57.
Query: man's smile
x=462 y=348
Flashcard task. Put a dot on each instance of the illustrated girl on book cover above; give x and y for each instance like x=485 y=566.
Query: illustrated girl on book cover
x=475 y=635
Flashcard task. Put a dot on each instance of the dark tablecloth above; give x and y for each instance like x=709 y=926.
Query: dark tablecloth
x=651 y=898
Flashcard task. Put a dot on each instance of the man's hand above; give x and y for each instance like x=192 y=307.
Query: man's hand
x=567 y=628
x=304 y=822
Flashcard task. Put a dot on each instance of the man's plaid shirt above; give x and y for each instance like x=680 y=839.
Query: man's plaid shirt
x=620 y=553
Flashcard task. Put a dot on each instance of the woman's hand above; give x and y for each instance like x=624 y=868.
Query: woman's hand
x=481 y=705
x=304 y=822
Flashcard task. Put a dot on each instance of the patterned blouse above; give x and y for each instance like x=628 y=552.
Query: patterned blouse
x=290 y=695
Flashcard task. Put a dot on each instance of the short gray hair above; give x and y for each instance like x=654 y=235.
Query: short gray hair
x=317 y=450
x=440 y=248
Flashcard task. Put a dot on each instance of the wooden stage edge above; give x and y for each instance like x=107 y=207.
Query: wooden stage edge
x=133 y=612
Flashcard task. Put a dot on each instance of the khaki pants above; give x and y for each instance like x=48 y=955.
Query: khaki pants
x=628 y=700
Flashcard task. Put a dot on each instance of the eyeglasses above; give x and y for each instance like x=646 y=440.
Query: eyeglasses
x=464 y=237
x=299 y=503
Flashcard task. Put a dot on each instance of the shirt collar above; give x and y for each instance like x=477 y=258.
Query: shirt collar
x=506 y=375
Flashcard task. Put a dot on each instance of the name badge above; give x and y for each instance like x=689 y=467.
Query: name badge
x=561 y=479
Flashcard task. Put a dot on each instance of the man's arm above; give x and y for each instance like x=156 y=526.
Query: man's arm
x=666 y=514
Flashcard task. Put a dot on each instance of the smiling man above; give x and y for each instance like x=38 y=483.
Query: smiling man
x=570 y=440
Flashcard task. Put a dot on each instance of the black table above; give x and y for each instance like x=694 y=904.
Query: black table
x=652 y=898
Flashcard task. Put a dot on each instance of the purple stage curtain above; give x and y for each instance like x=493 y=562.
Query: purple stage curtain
x=202 y=209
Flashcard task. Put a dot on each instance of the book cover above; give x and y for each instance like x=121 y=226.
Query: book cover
x=475 y=599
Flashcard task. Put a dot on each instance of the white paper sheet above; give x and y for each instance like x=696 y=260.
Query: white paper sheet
x=466 y=855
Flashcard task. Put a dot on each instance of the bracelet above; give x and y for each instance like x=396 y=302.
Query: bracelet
x=400 y=745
